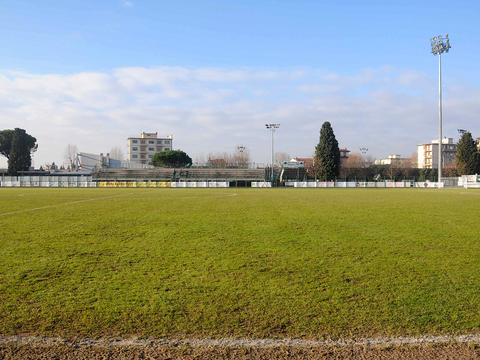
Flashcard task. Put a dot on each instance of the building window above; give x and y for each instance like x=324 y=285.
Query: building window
x=134 y=156
x=134 y=148
x=151 y=149
x=142 y=149
x=142 y=141
x=167 y=142
x=142 y=156
x=150 y=156
x=151 y=141
x=134 y=141
x=159 y=142
x=166 y=149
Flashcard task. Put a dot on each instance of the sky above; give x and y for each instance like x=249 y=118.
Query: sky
x=213 y=73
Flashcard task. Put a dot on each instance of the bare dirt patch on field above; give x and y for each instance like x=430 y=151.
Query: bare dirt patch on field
x=51 y=349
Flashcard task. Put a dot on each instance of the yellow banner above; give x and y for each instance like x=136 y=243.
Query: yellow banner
x=123 y=184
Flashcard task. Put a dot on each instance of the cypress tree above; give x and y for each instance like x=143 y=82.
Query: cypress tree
x=467 y=155
x=328 y=152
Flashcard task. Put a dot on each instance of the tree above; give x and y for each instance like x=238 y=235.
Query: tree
x=406 y=166
x=238 y=159
x=467 y=155
x=219 y=160
x=315 y=168
x=171 y=158
x=415 y=160
x=392 y=170
x=19 y=155
x=116 y=153
x=450 y=170
x=281 y=157
x=327 y=150
x=70 y=155
x=6 y=138
x=241 y=157
x=353 y=166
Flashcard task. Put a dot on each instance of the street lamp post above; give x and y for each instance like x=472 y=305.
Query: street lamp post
x=440 y=45
x=272 y=128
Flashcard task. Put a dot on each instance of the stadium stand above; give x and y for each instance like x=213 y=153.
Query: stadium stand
x=188 y=174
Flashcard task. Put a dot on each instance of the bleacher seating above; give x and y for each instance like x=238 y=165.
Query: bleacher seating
x=185 y=174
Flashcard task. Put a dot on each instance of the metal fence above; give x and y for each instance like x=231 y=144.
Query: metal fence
x=47 y=181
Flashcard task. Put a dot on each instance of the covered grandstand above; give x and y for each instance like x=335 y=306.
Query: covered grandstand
x=236 y=177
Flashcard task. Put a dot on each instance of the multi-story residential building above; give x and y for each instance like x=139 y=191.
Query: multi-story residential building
x=428 y=154
x=392 y=159
x=143 y=148
x=344 y=154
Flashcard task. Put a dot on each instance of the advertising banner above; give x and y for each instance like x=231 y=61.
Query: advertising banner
x=264 y=184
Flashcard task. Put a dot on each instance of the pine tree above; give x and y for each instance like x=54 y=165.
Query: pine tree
x=19 y=158
x=6 y=137
x=327 y=150
x=467 y=155
x=171 y=158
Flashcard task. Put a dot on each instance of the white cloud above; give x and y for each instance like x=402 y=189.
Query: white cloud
x=127 y=4
x=214 y=109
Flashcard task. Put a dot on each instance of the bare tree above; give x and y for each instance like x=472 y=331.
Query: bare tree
x=199 y=160
x=70 y=155
x=415 y=160
x=219 y=160
x=281 y=157
x=314 y=169
x=241 y=157
x=406 y=167
x=450 y=170
x=116 y=153
x=353 y=166
x=392 y=170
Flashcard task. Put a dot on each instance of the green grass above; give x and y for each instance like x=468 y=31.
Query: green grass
x=265 y=263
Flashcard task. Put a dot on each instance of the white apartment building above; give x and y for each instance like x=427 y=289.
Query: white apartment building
x=143 y=148
x=392 y=159
x=428 y=154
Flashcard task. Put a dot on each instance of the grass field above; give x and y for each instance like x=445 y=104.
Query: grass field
x=263 y=263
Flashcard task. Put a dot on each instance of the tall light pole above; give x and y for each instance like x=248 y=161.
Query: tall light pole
x=272 y=128
x=440 y=45
x=241 y=149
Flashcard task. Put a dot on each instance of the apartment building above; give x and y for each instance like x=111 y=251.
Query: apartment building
x=428 y=154
x=344 y=154
x=143 y=148
x=392 y=159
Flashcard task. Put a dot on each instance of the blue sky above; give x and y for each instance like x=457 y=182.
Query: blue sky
x=212 y=73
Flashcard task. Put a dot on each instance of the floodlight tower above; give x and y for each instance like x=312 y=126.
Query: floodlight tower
x=440 y=45
x=272 y=128
x=241 y=149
